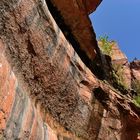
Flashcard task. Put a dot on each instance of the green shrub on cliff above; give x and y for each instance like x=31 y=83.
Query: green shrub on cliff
x=105 y=45
x=136 y=101
x=118 y=74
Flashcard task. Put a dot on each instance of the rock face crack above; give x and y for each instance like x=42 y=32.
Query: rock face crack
x=30 y=48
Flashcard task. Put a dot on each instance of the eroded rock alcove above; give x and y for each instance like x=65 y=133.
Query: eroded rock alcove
x=46 y=91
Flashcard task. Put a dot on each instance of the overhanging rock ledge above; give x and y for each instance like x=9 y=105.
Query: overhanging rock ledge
x=46 y=91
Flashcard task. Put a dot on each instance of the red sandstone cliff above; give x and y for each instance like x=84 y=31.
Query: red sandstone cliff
x=46 y=91
x=135 y=67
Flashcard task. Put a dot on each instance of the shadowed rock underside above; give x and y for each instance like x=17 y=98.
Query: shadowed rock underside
x=46 y=91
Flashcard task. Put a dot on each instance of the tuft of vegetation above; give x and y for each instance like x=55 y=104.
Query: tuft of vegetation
x=117 y=74
x=136 y=101
x=136 y=87
x=105 y=45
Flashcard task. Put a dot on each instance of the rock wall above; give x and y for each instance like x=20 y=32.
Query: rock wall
x=135 y=67
x=19 y=118
x=46 y=91
x=75 y=14
x=119 y=59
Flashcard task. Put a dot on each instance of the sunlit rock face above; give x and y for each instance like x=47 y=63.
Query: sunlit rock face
x=120 y=60
x=46 y=91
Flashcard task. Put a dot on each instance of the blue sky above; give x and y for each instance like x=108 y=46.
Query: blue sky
x=120 y=20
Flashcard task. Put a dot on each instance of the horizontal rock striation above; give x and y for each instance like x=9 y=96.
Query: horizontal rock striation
x=46 y=91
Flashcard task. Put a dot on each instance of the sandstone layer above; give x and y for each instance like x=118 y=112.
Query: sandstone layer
x=120 y=60
x=135 y=67
x=46 y=91
x=75 y=14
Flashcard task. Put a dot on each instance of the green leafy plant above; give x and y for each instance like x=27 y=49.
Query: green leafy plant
x=136 y=101
x=119 y=71
x=105 y=45
x=118 y=78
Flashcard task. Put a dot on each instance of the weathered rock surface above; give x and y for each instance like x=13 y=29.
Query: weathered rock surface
x=46 y=91
x=135 y=67
x=120 y=60
x=19 y=119
x=75 y=14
